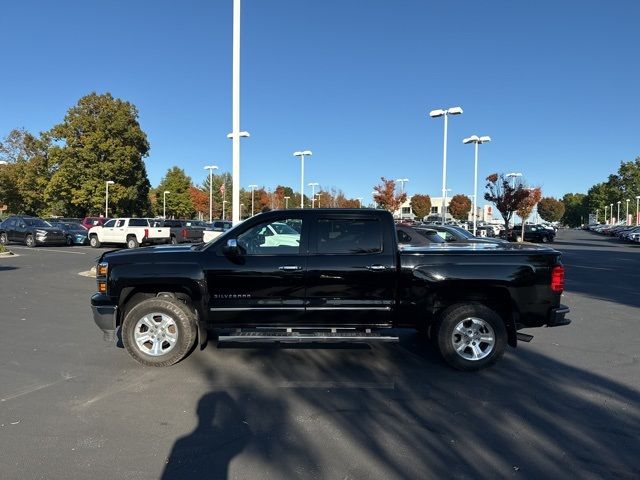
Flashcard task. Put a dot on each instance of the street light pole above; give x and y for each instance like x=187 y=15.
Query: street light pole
x=477 y=141
x=611 y=213
x=618 y=216
x=211 y=168
x=605 y=214
x=164 y=204
x=445 y=114
x=286 y=202
x=313 y=186
x=302 y=154
x=626 y=218
x=637 y=210
x=253 y=191
x=106 y=200
x=224 y=202
x=402 y=181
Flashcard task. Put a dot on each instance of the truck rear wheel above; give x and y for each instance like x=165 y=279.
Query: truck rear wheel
x=470 y=336
x=132 y=242
x=159 y=332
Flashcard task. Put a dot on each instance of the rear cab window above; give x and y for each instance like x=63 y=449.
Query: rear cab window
x=348 y=236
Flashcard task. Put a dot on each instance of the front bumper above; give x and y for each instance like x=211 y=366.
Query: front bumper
x=105 y=315
x=557 y=316
x=50 y=240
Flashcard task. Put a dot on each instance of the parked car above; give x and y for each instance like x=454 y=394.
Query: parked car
x=89 y=222
x=532 y=233
x=131 y=232
x=416 y=236
x=215 y=229
x=184 y=230
x=346 y=280
x=31 y=231
x=75 y=232
x=452 y=233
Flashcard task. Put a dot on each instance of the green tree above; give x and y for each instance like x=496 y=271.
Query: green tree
x=99 y=139
x=178 y=200
x=421 y=205
x=459 y=207
x=218 y=196
x=27 y=172
x=550 y=209
x=576 y=210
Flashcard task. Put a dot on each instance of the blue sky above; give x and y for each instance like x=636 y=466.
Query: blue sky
x=555 y=84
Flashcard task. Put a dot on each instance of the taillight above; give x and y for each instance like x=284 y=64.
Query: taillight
x=184 y=233
x=146 y=233
x=557 y=279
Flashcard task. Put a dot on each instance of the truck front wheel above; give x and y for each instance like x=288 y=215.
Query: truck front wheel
x=470 y=336
x=159 y=332
x=94 y=242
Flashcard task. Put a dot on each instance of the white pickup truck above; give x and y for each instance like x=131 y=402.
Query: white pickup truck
x=131 y=232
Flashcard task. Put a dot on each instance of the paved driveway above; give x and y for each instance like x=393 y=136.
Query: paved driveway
x=566 y=405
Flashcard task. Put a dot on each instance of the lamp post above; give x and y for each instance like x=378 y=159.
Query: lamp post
x=319 y=194
x=106 y=199
x=241 y=209
x=605 y=214
x=445 y=114
x=224 y=202
x=253 y=191
x=164 y=204
x=618 y=215
x=446 y=208
x=211 y=168
x=637 y=210
x=597 y=213
x=477 y=141
x=286 y=202
x=611 y=213
x=302 y=154
x=402 y=181
x=513 y=176
x=626 y=218
x=313 y=186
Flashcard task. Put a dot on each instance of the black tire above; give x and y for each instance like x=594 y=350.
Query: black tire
x=69 y=241
x=94 y=242
x=545 y=239
x=4 y=240
x=132 y=242
x=174 y=240
x=185 y=326
x=29 y=241
x=460 y=314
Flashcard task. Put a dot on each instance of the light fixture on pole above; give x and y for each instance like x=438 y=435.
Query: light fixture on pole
x=626 y=218
x=286 y=202
x=477 y=141
x=302 y=154
x=513 y=177
x=106 y=199
x=445 y=114
x=211 y=168
x=611 y=213
x=253 y=191
x=402 y=181
x=313 y=186
x=164 y=204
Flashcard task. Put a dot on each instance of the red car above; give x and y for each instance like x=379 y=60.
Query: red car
x=89 y=222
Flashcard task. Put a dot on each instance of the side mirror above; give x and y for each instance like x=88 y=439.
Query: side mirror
x=231 y=248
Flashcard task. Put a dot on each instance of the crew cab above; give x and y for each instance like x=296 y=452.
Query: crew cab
x=131 y=232
x=344 y=279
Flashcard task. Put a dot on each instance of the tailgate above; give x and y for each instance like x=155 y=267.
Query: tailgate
x=159 y=232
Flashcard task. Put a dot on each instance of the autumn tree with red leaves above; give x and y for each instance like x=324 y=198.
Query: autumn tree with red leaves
x=459 y=207
x=504 y=196
x=527 y=204
x=386 y=197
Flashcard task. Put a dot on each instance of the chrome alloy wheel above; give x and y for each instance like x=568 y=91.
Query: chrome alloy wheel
x=473 y=339
x=156 y=334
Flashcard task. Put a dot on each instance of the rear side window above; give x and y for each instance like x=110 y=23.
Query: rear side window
x=138 y=222
x=348 y=235
x=403 y=237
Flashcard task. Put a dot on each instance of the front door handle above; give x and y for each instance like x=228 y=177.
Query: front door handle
x=290 y=268
x=376 y=267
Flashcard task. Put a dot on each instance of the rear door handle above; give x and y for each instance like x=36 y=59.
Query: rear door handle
x=376 y=267
x=290 y=268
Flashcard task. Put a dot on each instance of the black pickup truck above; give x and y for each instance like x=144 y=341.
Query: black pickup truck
x=338 y=276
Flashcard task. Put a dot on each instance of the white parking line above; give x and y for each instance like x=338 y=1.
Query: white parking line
x=45 y=249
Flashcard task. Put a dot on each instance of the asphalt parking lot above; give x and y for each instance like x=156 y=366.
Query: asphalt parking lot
x=566 y=405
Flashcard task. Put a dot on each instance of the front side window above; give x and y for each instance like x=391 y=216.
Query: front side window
x=110 y=224
x=349 y=236
x=119 y=223
x=264 y=239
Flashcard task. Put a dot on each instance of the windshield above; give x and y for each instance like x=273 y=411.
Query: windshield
x=283 y=229
x=36 y=222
